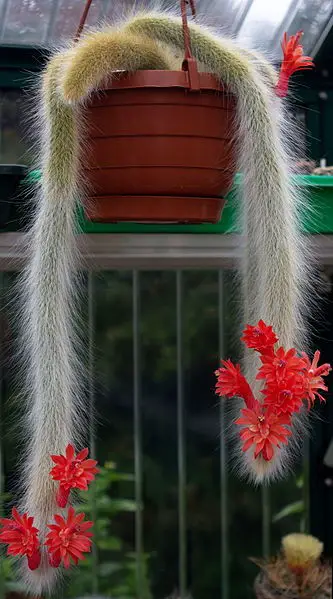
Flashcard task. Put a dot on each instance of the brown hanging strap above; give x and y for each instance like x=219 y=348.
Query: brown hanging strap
x=189 y=63
x=82 y=21
x=187 y=39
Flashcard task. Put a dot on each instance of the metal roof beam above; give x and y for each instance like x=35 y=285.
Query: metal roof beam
x=52 y=20
x=240 y=19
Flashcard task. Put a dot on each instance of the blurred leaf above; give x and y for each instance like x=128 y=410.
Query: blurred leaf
x=123 y=505
x=293 y=508
x=109 y=568
x=5 y=497
x=300 y=482
x=16 y=587
x=110 y=544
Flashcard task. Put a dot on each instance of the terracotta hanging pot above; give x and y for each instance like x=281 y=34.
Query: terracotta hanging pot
x=161 y=146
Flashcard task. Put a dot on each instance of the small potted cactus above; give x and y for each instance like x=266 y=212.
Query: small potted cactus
x=296 y=573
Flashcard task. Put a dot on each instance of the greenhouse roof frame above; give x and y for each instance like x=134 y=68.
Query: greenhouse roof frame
x=258 y=23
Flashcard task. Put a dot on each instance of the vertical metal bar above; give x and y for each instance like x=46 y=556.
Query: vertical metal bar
x=305 y=524
x=323 y=35
x=266 y=522
x=223 y=454
x=182 y=542
x=2 y=291
x=137 y=435
x=241 y=16
x=285 y=25
x=52 y=19
x=2 y=100
x=3 y=17
x=91 y=391
x=104 y=9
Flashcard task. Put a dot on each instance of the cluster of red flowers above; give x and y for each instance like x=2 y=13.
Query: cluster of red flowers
x=289 y=380
x=69 y=537
x=293 y=60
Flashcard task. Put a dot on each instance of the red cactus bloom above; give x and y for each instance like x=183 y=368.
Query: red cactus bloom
x=293 y=60
x=289 y=381
x=68 y=539
x=73 y=472
x=231 y=383
x=21 y=537
x=284 y=396
x=259 y=337
x=313 y=378
x=264 y=430
x=280 y=365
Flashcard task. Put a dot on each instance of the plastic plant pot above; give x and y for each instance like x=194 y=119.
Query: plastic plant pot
x=159 y=152
x=161 y=146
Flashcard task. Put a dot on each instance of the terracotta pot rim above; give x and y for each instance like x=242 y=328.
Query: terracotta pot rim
x=163 y=79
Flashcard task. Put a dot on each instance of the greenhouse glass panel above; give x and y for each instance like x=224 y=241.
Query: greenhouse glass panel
x=262 y=21
x=257 y=22
x=24 y=22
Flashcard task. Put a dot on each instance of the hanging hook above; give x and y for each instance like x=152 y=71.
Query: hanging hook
x=189 y=63
x=192 y=6
x=187 y=41
x=82 y=20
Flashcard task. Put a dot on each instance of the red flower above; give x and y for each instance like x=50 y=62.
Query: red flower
x=68 y=539
x=313 y=378
x=284 y=396
x=21 y=537
x=264 y=430
x=280 y=365
x=293 y=60
x=291 y=379
x=231 y=383
x=260 y=337
x=73 y=472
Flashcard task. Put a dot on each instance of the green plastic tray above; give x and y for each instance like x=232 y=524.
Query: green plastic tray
x=318 y=219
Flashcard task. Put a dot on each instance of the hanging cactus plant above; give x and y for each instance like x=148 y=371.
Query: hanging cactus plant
x=275 y=269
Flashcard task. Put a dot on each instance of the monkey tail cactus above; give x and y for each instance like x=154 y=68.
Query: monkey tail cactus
x=53 y=405
x=275 y=274
x=49 y=290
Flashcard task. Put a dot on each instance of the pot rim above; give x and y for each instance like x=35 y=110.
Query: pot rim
x=163 y=79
